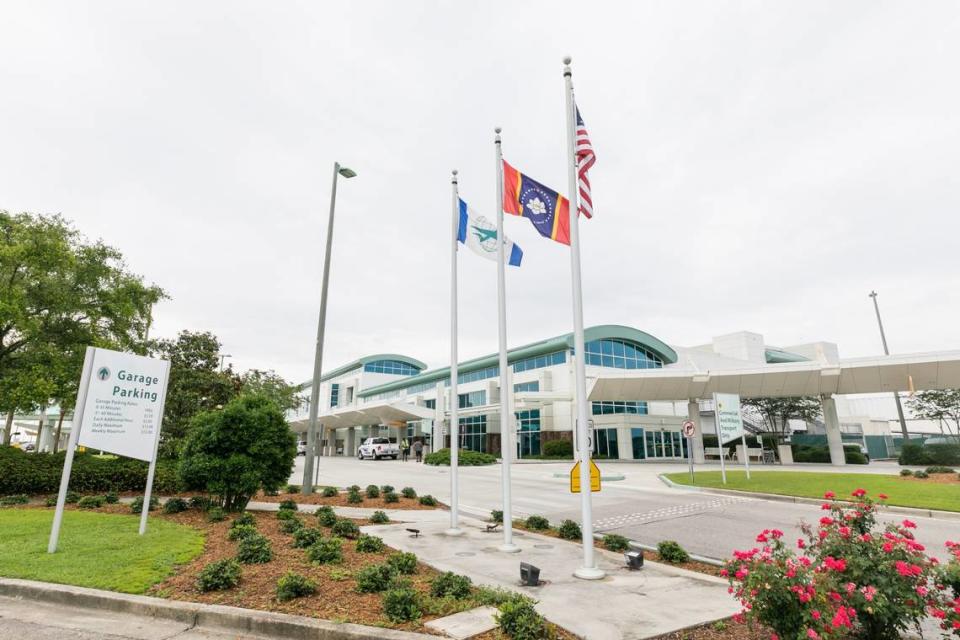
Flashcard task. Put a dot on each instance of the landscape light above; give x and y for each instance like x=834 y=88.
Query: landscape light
x=529 y=575
x=634 y=560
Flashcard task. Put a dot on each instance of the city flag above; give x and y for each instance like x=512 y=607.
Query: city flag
x=480 y=235
x=545 y=208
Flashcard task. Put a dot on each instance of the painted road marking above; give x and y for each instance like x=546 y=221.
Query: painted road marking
x=663 y=513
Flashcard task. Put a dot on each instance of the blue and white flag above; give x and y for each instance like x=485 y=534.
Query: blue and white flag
x=480 y=235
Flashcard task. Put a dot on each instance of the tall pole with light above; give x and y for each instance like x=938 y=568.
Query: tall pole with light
x=886 y=351
x=308 y=463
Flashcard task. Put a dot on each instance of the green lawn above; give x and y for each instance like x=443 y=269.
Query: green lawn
x=96 y=550
x=904 y=493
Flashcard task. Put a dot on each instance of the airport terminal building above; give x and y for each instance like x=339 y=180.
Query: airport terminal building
x=640 y=390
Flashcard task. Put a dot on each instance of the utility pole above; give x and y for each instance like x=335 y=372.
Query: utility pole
x=886 y=351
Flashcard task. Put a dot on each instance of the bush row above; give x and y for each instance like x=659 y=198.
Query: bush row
x=932 y=454
x=465 y=457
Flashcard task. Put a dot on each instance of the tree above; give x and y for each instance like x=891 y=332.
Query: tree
x=270 y=385
x=942 y=405
x=58 y=294
x=196 y=384
x=777 y=412
x=235 y=451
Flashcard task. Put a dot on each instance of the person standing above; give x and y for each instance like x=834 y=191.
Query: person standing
x=418 y=450
x=405 y=449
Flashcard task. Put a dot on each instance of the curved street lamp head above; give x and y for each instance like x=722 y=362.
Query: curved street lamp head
x=346 y=172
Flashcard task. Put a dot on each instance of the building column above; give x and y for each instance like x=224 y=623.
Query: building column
x=693 y=414
x=350 y=449
x=832 y=421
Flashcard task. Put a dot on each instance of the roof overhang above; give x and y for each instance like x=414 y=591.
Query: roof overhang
x=369 y=415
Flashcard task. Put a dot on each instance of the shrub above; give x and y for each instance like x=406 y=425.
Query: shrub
x=950 y=575
x=403 y=563
x=344 y=528
x=401 y=604
x=354 y=488
x=137 y=505
x=330 y=492
x=90 y=502
x=111 y=497
x=306 y=537
x=286 y=514
x=175 y=505
x=51 y=501
x=520 y=621
x=672 y=552
x=20 y=498
x=614 y=542
x=201 y=503
x=854 y=456
x=216 y=514
x=369 y=544
x=244 y=518
x=496 y=515
x=22 y=472
x=906 y=472
x=216 y=576
x=878 y=581
x=558 y=449
x=391 y=497
x=932 y=454
x=450 y=584
x=428 y=500
x=374 y=578
x=569 y=530
x=73 y=497
x=326 y=516
x=537 y=523
x=373 y=491
x=496 y=596
x=293 y=585
x=241 y=531
x=326 y=551
x=465 y=457
x=293 y=488
x=354 y=497
x=939 y=469
x=288 y=505
x=386 y=488
x=291 y=525
x=923 y=475
x=408 y=492
x=255 y=549
x=379 y=517
x=234 y=452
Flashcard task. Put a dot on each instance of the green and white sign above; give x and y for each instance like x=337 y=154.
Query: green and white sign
x=729 y=422
x=124 y=404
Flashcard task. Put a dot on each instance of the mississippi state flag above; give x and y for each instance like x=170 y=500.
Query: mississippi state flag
x=545 y=208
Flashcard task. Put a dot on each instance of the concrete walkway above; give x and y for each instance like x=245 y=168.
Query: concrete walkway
x=625 y=605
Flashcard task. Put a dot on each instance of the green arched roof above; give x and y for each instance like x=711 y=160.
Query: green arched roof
x=350 y=366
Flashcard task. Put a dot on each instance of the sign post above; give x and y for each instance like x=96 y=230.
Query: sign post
x=119 y=409
x=688 y=430
x=729 y=426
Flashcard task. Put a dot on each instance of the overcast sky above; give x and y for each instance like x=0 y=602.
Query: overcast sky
x=761 y=165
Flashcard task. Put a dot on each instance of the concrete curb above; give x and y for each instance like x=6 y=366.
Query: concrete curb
x=266 y=623
x=775 y=497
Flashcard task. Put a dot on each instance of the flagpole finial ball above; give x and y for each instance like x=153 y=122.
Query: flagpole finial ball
x=567 y=60
x=454 y=172
x=497 y=130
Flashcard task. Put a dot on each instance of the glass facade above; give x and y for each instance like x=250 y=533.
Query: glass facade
x=394 y=367
x=473 y=433
x=473 y=376
x=528 y=440
x=334 y=395
x=665 y=444
x=605 y=407
x=538 y=362
x=636 y=438
x=620 y=354
x=605 y=443
x=527 y=386
x=472 y=399
x=430 y=404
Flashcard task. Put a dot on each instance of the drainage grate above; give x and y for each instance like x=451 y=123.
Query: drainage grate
x=543 y=546
x=465 y=554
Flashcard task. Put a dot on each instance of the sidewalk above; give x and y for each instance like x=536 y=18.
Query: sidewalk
x=625 y=605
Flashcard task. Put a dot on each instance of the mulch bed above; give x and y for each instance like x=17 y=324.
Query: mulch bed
x=340 y=500
x=723 y=630
x=935 y=478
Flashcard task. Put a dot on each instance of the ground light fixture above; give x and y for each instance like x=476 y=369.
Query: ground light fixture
x=529 y=575
x=634 y=560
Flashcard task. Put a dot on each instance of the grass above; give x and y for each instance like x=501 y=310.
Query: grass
x=98 y=550
x=900 y=492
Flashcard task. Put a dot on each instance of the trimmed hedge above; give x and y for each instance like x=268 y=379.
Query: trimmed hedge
x=558 y=449
x=465 y=457
x=931 y=454
x=39 y=473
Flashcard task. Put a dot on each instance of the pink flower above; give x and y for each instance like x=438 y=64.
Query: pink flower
x=826 y=521
x=829 y=495
x=859 y=493
x=909 y=524
x=882 y=496
x=813 y=635
x=801 y=544
x=868 y=592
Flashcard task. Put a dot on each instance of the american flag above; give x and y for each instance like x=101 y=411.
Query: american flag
x=585 y=160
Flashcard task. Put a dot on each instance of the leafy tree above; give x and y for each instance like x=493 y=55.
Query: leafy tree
x=942 y=405
x=270 y=385
x=196 y=384
x=776 y=412
x=232 y=452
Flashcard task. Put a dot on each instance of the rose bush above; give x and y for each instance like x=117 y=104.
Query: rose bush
x=848 y=578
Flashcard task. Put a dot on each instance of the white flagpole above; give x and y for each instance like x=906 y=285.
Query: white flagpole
x=454 y=529
x=589 y=570
x=505 y=390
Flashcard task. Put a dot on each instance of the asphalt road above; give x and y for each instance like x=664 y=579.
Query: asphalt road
x=640 y=506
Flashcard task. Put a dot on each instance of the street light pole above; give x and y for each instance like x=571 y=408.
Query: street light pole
x=224 y=356
x=308 y=463
x=886 y=351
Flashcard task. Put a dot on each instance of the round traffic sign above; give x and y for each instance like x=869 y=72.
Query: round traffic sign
x=688 y=428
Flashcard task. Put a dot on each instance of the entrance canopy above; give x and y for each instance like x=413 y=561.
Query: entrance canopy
x=939 y=370
x=369 y=415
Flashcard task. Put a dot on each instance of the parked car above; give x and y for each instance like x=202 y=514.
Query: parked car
x=301 y=448
x=377 y=448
